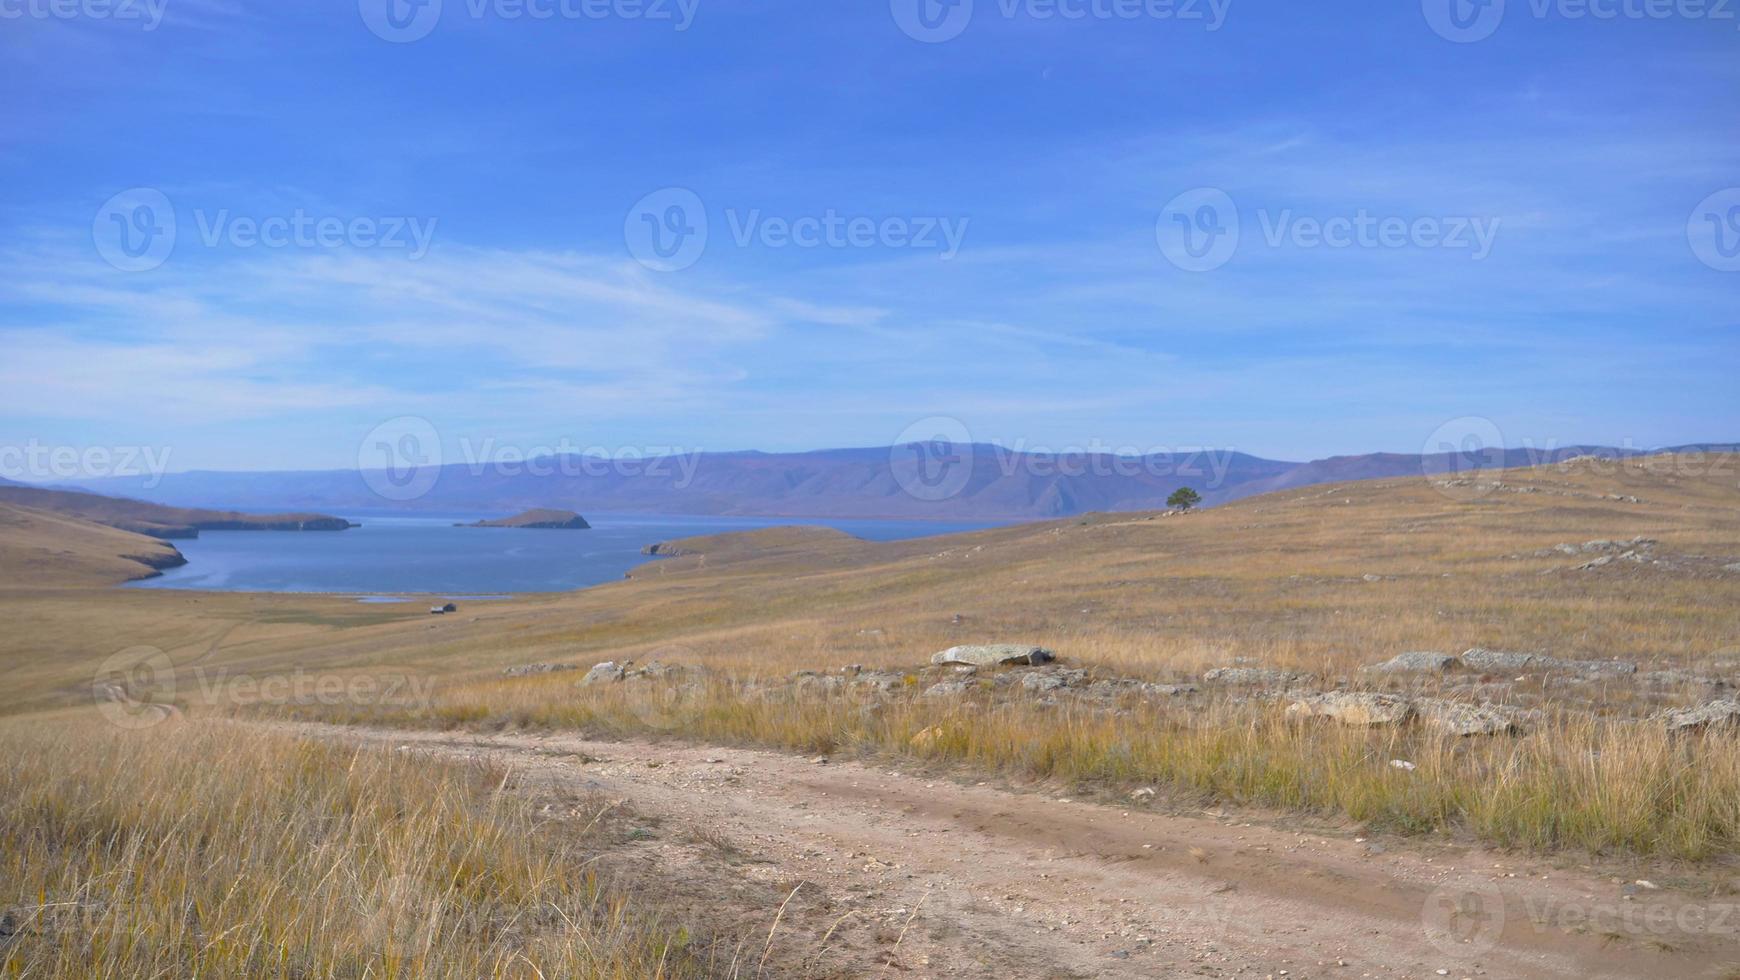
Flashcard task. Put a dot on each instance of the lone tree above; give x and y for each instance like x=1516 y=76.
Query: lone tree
x=1184 y=498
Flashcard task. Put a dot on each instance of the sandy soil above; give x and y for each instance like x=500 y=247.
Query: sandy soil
x=902 y=875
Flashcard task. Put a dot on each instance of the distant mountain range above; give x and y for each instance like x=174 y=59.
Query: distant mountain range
x=916 y=481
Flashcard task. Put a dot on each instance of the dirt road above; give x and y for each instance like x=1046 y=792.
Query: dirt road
x=898 y=874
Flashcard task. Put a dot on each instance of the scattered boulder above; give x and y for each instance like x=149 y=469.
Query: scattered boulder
x=1480 y=658
x=1040 y=683
x=1354 y=709
x=947 y=689
x=1674 y=675
x=1256 y=676
x=1461 y=719
x=810 y=683
x=991 y=655
x=654 y=670
x=530 y=670
x=1714 y=715
x=878 y=680
x=1417 y=661
x=608 y=672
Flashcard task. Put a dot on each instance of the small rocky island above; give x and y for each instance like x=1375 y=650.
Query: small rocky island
x=539 y=519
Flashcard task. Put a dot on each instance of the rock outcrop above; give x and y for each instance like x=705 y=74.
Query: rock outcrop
x=1257 y=677
x=1480 y=658
x=540 y=519
x=608 y=672
x=995 y=654
x=1416 y=662
x=1355 y=709
x=532 y=670
x=1462 y=719
x=1723 y=714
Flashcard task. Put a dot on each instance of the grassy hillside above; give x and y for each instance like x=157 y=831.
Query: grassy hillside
x=1325 y=580
x=229 y=852
x=159 y=521
x=42 y=549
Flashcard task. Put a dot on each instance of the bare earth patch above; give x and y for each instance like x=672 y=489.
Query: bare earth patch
x=898 y=874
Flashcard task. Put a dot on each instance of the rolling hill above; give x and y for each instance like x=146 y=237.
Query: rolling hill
x=43 y=548
x=917 y=481
x=156 y=520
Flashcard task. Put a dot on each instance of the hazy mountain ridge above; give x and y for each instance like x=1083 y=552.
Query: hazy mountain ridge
x=918 y=481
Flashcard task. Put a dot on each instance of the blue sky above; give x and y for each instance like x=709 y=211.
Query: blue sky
x=486 y=189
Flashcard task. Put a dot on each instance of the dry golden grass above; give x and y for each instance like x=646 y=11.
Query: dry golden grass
x=1579 y=782
x=1279 y=580
x=208 y=850
x=39 y=548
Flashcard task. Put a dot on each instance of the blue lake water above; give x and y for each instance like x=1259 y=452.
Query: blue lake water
x=425 y=553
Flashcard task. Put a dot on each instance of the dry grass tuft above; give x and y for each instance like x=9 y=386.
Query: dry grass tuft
x=1579 y=781
x=210 y=850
